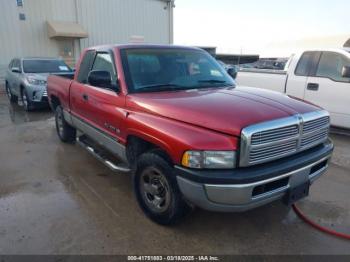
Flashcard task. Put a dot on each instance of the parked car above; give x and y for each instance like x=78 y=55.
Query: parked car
x=321 y=77
x=26 y=79
x=175 y=119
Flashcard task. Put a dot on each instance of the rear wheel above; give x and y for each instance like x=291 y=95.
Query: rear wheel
x=157 y=191
x=10 y=96
x=65 y=132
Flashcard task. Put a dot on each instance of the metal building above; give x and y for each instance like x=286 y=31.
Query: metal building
x=64 y=27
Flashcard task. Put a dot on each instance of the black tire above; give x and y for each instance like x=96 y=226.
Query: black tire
x=26 y=103
x=174 y=207
x=65 y=132
x=10 y=96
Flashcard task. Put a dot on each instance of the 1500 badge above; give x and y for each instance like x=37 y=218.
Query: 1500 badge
x=112 y=128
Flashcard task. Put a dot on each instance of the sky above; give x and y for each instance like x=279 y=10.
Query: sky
x=252 y=26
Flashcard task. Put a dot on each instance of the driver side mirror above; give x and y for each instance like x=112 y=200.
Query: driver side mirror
x=100 y=78
x=15 y=70
x=345 y=71
x=232 y=72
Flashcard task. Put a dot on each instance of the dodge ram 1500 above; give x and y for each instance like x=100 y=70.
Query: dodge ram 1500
x=173 y=118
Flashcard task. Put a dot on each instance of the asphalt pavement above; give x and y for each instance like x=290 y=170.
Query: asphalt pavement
x=57 y=199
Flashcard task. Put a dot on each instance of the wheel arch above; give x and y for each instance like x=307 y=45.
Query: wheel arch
x=54 y=102
x=137 y=145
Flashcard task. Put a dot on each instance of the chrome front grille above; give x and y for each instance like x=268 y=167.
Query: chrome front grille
x=315 y=124
x=314 y=130
x=263 y=153
x=44 y=93
x=274 y=134
x=314 y=138
x=275 y=139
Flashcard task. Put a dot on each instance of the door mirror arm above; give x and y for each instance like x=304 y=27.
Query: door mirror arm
x=232 y=72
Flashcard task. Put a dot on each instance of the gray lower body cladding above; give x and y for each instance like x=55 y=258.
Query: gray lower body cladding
x=104 y=140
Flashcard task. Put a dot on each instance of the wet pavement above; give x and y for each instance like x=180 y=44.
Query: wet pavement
x=57 y=199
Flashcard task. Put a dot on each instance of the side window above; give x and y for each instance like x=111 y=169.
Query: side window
x=85 y=66
x=331 y=65
x=19 y=64
x=11 y=64
x=104 y=62
x=307 y=63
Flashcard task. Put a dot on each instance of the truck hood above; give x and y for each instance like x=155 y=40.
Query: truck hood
x=226 y=110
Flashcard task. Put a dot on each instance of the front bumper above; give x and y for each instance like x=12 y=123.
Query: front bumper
x=37 y=94
x=246 y=188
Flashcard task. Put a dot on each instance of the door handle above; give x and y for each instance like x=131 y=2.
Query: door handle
x=312 y=86
x=85 y=97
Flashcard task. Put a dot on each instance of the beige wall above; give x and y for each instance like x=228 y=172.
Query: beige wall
x=107 y=21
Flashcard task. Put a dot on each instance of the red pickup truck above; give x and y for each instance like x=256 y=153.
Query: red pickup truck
x=174 y=119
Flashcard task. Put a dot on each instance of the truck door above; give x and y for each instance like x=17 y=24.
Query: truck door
x=299 y=71
x=105 y=105
x=327 y=88
x=79 y=106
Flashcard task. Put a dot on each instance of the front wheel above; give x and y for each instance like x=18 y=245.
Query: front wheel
x=65 y=132
x=156 y=190
x=10 y=96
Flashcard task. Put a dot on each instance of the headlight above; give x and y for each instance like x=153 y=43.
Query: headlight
x=36 y=82
x=209 y=159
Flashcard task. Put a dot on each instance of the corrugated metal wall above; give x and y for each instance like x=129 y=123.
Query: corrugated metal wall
x=107 y=21
x=121 y=19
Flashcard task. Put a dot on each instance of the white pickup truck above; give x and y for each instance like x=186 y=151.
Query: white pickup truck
x=321 y=77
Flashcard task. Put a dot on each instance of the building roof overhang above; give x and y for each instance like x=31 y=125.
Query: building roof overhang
x=60 y=29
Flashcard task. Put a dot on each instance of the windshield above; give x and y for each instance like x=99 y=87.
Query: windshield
x=164 y=69
x=45 y=66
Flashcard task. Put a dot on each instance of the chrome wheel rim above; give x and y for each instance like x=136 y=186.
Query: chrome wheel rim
x=59 y=123
x=155 y=190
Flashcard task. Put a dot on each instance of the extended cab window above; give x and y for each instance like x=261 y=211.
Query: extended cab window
x=307 y=63
x=331 y=65
x=85 y=66
x=104 y=62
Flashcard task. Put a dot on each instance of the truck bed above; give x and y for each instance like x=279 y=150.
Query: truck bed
x=274 y=80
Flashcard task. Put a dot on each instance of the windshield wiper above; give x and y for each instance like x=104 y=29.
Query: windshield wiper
x=222 y=83
x=160 y=87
